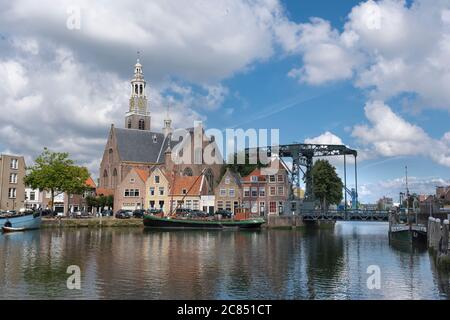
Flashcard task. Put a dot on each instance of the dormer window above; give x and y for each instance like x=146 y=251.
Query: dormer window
x=184 y=191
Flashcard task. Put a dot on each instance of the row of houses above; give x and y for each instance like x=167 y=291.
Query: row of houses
x=63 y=203
x=258 y=193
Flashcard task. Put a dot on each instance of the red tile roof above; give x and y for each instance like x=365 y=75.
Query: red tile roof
x=256 y=172
x=105 y=191
x=90 y=183
x=193 y=184
x=143 y=174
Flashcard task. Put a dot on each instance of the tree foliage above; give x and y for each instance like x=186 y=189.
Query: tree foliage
x=327 y=186
x=244 y=169
x=57 y=173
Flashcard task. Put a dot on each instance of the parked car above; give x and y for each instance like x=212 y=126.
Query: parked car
x=107 y=213
x=198 y=214
x=155 y=211
x=83 y=214
x=224 y=213
x=124 y=214
x=182 y=212
x=46 y=212
x=138 y=213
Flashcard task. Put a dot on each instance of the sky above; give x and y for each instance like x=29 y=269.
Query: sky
x=373 y=75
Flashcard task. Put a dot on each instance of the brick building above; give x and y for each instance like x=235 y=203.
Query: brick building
x=12 y=187
x=137 y=146
x=228 y=193
x=130 y=192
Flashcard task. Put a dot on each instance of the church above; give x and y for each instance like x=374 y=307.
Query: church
x=137 y=146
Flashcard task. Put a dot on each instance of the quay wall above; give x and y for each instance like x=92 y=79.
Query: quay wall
x=90 y=223
x=438 y=240
x=284 y=222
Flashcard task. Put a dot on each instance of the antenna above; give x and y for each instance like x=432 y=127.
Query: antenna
x=407 y=190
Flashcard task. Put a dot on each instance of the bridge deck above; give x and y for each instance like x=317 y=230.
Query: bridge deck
x=349 y=215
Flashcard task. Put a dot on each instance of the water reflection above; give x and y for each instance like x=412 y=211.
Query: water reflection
x=273 y=264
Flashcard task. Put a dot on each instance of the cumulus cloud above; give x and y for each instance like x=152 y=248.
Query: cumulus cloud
x=371 y=192
x=199 y=41
x=63 y=87
x=388 y=47
x=65 y=105
x=390 y=135
x=325 y=138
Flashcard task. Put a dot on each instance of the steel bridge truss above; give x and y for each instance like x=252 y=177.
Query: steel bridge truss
x=302 y=155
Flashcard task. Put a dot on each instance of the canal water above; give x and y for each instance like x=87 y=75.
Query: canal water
x=119 y=263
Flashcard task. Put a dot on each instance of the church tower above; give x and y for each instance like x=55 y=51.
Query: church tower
x=137 y=116
x=167 y=129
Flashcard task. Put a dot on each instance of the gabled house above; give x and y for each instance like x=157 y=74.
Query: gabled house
x=187 y=191
x=77 y=202
x=157 y=190
x=130 y=193
x=228 y=193
x=265 y=194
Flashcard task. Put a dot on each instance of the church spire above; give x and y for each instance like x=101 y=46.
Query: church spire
x=167 y=129
x=138 y=116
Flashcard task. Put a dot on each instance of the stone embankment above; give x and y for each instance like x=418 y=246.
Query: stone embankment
x=438 y=240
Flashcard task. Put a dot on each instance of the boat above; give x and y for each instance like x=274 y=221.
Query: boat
x=27 y=220
x=409 y=233
x=151 y=221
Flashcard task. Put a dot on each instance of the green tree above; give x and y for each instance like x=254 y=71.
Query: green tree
x=55 y=172
x=109 y=201
x=327 y=186
x=243 y=169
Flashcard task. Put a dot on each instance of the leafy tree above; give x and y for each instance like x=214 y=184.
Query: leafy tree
x=55 y=172
x=327 y=186
x=92 y=201
x=109 y=201
x=245 y=168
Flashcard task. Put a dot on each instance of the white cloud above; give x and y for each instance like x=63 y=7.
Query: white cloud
x=68 y=106
x=325 y=138
x=63 y=88
x=198 y=40
x=390 y=135
x=388 y=47
x=371 y=192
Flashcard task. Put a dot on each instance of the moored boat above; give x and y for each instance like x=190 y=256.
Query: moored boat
x=151 y=221
x=20 y=222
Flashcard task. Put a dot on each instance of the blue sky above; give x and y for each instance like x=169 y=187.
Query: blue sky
x=370 y=74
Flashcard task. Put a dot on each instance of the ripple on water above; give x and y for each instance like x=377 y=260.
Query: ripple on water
x=130 y=263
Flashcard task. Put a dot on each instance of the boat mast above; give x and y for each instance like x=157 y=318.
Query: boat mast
x=189 y=190
x=407 y=196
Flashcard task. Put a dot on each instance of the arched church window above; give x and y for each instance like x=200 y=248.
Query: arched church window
x=129 y=123
x=110 y=155
x=114 y=182
x=188 y=172
x=141 y=124
x=141 y=89
x=105 y=178
x=209 y=175
x=136 y=88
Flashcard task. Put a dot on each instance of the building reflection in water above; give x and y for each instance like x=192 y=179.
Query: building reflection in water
x=267 y=264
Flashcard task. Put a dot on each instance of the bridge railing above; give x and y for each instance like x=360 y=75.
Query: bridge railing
x=373 y=215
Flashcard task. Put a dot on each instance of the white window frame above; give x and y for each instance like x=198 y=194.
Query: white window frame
x=12 y=193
